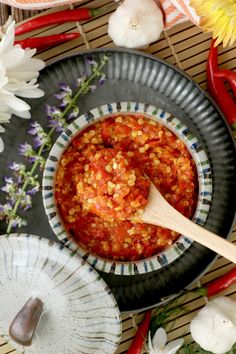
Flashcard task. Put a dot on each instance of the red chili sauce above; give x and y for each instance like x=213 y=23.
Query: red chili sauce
x=100 y=182
x=112 y=186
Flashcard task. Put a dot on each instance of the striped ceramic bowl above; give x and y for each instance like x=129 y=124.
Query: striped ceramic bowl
x=204 y=180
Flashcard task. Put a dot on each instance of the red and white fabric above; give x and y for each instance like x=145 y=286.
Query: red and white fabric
x=175 y=11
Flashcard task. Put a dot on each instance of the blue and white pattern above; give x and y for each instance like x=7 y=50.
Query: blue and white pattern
x=204 y=180
x=80 y=314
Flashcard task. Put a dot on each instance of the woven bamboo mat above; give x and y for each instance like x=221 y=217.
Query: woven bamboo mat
x=184 y=46
x=17 y=14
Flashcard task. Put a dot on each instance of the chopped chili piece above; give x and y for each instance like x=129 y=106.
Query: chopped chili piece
x=149 y=148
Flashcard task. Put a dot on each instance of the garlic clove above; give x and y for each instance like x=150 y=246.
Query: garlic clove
x=214 y=326
x=135 y=23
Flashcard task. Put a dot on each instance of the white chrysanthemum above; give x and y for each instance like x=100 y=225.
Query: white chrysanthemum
x=18 y=77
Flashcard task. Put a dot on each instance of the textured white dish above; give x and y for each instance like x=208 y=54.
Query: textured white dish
x=80 y=314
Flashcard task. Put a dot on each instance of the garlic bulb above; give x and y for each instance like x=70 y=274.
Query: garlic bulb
x=214 y=326
x=135 y=23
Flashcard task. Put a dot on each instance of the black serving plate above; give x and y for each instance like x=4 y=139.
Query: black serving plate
x=135 y=76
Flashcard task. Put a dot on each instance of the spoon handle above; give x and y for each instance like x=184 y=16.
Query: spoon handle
x=159 y=212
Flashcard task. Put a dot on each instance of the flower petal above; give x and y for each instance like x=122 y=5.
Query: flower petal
x=4 y=118
x=160 y=338
x=11 y=58
x=30 y=93
x=14 y=102
x=23 y=75
x=23 y=114
x=150 y=346
x=27 y=67
x=173 y=346
x=24 y=89
x=3 y=82
x=14 y=84
x=3 y=78
x=2 y=130
x=28 y=53
x=7 y=41
x=33 y=64
x=1 y=145
x=3 y=106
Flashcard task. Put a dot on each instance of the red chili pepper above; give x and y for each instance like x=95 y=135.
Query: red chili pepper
x=56 y=18
x=46 y=41
x=217 y=88
x=138 y=341
x=221 y=283
x=230 y=76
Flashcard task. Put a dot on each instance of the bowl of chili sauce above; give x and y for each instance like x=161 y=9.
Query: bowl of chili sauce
x=94 y=179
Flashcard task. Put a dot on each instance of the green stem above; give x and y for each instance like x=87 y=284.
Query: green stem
x=36 y=162
x=31 y=172
x=73 y=101
x=102 y=10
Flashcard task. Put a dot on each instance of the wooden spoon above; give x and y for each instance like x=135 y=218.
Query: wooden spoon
x=159 y=212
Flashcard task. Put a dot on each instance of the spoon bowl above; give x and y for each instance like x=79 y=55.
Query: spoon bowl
x=160 y=213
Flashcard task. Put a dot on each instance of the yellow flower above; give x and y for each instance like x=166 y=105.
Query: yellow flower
x=218 y=17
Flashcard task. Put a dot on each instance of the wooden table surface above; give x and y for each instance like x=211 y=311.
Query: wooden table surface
x=176 y=47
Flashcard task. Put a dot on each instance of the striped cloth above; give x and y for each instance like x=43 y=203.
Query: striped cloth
x=175 y=11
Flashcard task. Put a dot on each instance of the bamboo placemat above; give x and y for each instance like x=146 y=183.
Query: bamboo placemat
x=17 y=14
x=184 y=46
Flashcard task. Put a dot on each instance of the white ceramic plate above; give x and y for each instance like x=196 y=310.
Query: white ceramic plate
x=80 y=313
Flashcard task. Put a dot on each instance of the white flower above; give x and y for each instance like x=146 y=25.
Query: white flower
x=18 y=77
x=8 y=100
x=157 y=345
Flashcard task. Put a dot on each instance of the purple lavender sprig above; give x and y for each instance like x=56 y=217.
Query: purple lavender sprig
x=14 y=192
x=97 y=70
x=56 y=119
x=59 y=117
x=24 y=184
x=40 y=136
x=64 y=95
x=7 y=214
